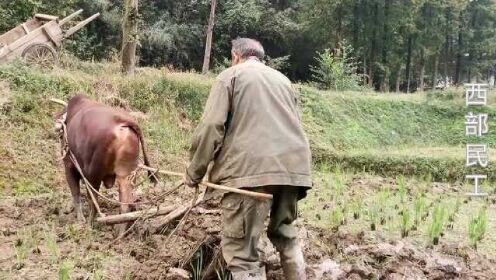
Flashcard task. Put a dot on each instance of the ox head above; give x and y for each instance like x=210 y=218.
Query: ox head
x=69 y=107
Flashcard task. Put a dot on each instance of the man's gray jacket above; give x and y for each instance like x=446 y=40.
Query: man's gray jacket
x=251 y=129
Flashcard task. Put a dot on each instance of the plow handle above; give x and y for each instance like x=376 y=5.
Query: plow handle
x=212 y=185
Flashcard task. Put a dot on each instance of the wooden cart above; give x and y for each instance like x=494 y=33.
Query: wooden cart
x=38 y=39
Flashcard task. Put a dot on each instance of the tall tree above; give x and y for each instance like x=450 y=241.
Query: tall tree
x=129 y=36
x=393 y=40
x=385 y=47
x=210 y=31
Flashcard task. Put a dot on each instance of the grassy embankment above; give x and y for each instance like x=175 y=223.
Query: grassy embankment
x=390 y=135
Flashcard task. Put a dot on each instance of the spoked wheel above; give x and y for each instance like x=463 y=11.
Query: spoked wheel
x=40 y=54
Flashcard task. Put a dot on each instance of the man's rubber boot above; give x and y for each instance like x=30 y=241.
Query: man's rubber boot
x=256 y=274
x=293 y=263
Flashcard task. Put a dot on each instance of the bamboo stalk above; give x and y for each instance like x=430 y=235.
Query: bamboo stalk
x=132 y=216
x=212 y=185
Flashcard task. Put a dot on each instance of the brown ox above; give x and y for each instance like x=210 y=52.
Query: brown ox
x=105 y=142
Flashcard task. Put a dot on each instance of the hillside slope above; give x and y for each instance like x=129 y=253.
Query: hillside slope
x=385 y=134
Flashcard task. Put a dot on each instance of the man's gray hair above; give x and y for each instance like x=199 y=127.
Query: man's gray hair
x=246 y=47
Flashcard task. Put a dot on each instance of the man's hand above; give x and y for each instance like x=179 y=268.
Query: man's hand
x=188 y=182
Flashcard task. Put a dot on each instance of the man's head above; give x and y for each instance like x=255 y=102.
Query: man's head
x=244 y=48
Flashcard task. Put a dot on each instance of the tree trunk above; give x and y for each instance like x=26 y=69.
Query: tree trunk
x=129 y=36
x=422 y=73
x=458 y=65
x=398 y=80
x=385 y=81
x=422 y=70
x=373 y=46
x=339 y=28
x=492 y=78
x=446 y=62
x=364 y=69
x=408 y=63
x=446 y=51
x=385 y=48
x=434 y=77
x=208 y=43
x=356 y=16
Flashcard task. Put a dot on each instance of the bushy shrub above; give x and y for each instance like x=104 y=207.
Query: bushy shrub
x=279 y=63
x=336 y=71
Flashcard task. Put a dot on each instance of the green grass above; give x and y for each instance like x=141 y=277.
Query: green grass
x=65 y=271
x=478 y=226
x=385 y=134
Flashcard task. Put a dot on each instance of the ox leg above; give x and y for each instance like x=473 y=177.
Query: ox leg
x=125 y=196
x=72 y=177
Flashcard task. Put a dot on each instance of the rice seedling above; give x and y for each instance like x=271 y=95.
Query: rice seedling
x=337 y=218
x=339 y=183
x=26 y=242
x=51 y=244
x=197 y=265
x=419 y=210
x=402 y=189
x=222 y=273
x=405 y=222
x=98 y=274
x=458 y=205
x=356 y=207
x=128 y=276
x=477 y=227
x=373 y=215
x=383 y=197
x=437 y=225
x=452 y=214
x=65 y=271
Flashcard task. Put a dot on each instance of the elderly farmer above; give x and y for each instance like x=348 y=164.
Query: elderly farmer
x=252 y=131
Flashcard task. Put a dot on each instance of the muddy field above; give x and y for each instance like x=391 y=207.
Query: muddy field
x=352 y=225
x=40 y=239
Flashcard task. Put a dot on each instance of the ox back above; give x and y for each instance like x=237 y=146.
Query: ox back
x=106 y=144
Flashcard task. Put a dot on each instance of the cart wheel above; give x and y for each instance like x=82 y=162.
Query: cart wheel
x=40 y=54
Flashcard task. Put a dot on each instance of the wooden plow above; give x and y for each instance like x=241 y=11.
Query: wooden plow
x=172 y=211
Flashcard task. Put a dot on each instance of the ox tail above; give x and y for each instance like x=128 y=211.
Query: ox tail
x=139 y=133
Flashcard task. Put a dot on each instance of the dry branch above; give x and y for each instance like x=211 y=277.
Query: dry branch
x=179 y=212
x=132 y=216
